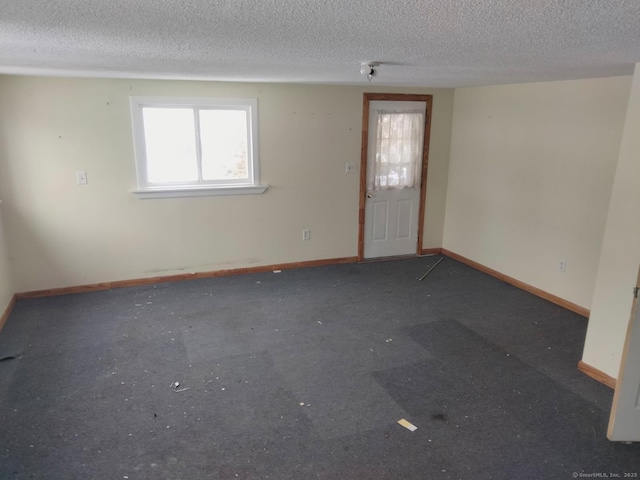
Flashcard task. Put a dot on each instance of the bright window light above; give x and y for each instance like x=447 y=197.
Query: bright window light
x=195 y=146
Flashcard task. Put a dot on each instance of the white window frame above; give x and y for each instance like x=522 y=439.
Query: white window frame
x=145 y=189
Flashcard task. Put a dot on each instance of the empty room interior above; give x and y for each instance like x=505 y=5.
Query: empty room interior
x=333 y=240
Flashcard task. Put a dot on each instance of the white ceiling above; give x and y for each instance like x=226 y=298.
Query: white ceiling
x=445 y=43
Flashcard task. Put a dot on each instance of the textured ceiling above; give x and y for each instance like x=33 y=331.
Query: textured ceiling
x=445 y=43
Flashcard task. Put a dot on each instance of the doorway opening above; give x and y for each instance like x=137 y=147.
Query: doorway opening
x=393 y=174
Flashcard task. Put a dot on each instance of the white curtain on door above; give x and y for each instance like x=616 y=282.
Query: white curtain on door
x=398 y=156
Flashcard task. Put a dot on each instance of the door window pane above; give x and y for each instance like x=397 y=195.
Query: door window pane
x=398 y=156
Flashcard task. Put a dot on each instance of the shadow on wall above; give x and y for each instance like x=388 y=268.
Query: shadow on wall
x=25 y=241
x=6 y=285
x=29 y=249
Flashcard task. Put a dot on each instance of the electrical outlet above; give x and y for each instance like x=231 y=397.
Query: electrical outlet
x=81 y=177
x=306 y=234
x=562 y=266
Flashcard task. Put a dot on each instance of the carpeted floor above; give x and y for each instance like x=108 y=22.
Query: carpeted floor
x=303 y=374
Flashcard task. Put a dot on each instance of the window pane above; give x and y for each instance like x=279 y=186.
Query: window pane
x=223 y=136
x=399 y=138
x=169 y=135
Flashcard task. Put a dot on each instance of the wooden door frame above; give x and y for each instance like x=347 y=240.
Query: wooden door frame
x=623 y=362
x=394 y=97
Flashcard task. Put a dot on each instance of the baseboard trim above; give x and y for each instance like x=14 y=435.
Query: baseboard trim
x=585 y=312
x=179 y=277
x=7 y=311
x=282 y=266
x=596 y=374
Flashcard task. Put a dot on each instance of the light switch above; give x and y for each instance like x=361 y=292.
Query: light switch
x=81 y=177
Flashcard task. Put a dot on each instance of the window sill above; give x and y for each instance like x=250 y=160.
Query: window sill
x=200 y=191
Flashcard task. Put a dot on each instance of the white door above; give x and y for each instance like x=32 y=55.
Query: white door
x=394 y=167
x=624 y=423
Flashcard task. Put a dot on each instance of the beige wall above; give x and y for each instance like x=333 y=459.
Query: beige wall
x=620 y=258
x=531 y=173
x=62 y=234
x=527 y=182
x=6 y=285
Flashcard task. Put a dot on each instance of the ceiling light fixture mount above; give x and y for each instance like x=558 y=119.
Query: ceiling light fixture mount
x=368 y=69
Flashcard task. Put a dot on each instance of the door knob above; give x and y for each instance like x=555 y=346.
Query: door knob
x=369 y=195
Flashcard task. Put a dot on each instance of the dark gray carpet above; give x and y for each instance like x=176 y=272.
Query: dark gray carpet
x=300 y=375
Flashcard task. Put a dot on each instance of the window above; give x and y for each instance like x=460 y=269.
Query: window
x=195 y=146
x=398 y=157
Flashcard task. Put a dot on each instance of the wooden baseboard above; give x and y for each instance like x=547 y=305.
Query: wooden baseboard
x=431 y=251
x=585 y=312
x=179 y=277
x=7 y=311
x=596 y=374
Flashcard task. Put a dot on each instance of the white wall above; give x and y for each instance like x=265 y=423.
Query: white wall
x=6 y=285
x=531 y=172
x=620 y=258
x=62 y=234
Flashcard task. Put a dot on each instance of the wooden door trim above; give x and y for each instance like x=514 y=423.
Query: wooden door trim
x=623 y=362
x=394 y=97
